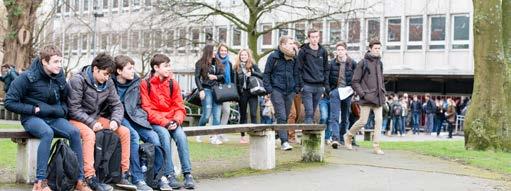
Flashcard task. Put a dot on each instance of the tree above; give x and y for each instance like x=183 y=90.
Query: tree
x=200 y=11
x=488 y=122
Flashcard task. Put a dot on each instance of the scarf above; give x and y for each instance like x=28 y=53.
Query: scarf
x=227 y=66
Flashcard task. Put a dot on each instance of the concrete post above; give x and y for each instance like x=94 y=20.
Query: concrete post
x=313 y=145
x=26 y=160
x=262 y=150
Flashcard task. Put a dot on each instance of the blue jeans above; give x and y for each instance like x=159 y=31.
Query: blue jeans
x=138 y=132
x=430 y=122
x=324 y=106
x=210 y=107
x=266 y=120
x=385 y=124
x=403 y=124
x=342 y=108
x=415 y=122
x=282 y=105
x=179 y=136
x=310 y=99
x=45 y=131
x=397 y=125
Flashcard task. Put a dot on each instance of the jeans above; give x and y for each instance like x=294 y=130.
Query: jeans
x=179 y=136
x=138 y=132
x=324 y=106
x=385 y=124
x=438 y=125
x=403 y=124
x=282 y=105
x=310 y=98
x=342 y=109
x=430 y=122
x=415 y=122
x=247 y=99
x=396 y=127
x=266 y=120
x=209 y=107
x=45 y=130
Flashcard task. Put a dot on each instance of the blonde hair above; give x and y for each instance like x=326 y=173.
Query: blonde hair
x=284 y=39
x=250 y=61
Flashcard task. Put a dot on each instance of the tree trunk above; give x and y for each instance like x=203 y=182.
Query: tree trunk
x=489 y=116
x=21 y=15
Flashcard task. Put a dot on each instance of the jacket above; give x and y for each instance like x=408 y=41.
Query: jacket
x=313 y=66
x=241 y=78
x=161 y=107
x=35 y=88
x=86 y=100
x=280 y=74
x=334 y=72
x=416 y=106
x=368 y=81
x=132 y=102
x=429 y=107
x=8 y=78
x=206 y=83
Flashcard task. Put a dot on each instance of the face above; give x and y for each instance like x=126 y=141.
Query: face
x=128 y=72
x=341 y=51
x=163 y=69
x=314 y=38
x=375 y=50
x=54 y=65
x=414 y=98
x=289 y=44
x=244 y=56
x=101 y=76
x=223 y=51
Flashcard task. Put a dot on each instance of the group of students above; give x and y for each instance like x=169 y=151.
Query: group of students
x=105 y=95
x=291 y=72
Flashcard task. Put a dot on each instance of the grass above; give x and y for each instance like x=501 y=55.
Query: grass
x=8 y=150
x=455 y=151
x=10 y=126
x=207 y=152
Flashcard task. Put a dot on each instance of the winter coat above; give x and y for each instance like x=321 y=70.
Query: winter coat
x=313 y=66
x=334 y=72
x=8 y=78
x=241 y=78
x=206 y=82
x=132 y=102
x=368 y=81
x=280 y=74
x=34 y=88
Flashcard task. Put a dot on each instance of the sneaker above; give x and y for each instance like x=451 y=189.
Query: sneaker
x=82 y=186
x=163 y=184
x=223 y=138
x=354 y=144
x=41 y=185
x=198 y=139
x=142 y=186
x=243 y=140
x=377 y=150
x=347 y=141
x=328 y=142
x=125 y=183
x=189 y=182
x=335 y=144
x=97 y=185
x=173 y=183
x=215 y=141
x=286 y=146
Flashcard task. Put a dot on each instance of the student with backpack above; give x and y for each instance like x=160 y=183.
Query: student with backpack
x=9 y=73
x=397 y=111
x=135 y=119
x=93 y=92
x=161 y=99
x=39 y=95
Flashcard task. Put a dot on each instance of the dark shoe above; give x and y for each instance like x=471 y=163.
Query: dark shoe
x=189 y=182
x=142 y=186
x=125 y=183
x=97 y=185
x=173 y=183
x=163 y=184
x=335 y=144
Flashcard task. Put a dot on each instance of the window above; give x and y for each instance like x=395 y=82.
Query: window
x=267 y=36
x=461 y=32
x=437 y=33
x=124 y=40
x=68 y=5
x=114 y=41
x=125 y=3
x=182 y=38
x=147 y=39
x=95 y=5
x=157 y=37
x=415 y=29
x=85 y=5
x=335 y=32
x=393 y=33
x=76 y=6
x=59 y=6
x=75 y=42
x=353 y=34
x=105 y=4
x=282 y=31
x=115 y=3
x=134 y=40
x=67 y=42
x=103 y=41
x=373 y=29
x=209 y=34
x=58 y=40
x=85 y=42
x=300 y=32
x=170 y=40
x=318 y=25
x=147 y=3
x=136 y=3
x=236 y=37
x=222 y=35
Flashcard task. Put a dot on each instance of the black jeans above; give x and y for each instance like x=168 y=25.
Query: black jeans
x=247 y=99
x=282 y=105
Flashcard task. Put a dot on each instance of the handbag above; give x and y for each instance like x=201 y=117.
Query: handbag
x=194 y=98
x=225 y=92
x=255 y=85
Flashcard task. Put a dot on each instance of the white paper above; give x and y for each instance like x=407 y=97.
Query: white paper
x=345 y=92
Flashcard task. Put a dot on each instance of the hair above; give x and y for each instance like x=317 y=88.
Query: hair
x=374 y=42
x=428 y=95
x=284 y=39
x=220 y=46
x=157 y=60
x=250 y=61
x=341 y=43
x=8 y=66
x=121 y=61
x=103 y=61
x=205 y=60
x=312 y=30
x=48 y=51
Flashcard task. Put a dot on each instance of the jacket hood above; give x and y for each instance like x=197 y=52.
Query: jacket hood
x=86 y=73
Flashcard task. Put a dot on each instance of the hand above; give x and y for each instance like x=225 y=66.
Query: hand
x=97 y=126
x=172 y=125
x=113 y=125
x=202 y=95
x=212 y=77
x=249 y=74
x=36 y=109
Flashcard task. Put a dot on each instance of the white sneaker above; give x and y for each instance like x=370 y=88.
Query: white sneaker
x=198 y=139
x=223 y=138
x=215 y=141
x=286 y=146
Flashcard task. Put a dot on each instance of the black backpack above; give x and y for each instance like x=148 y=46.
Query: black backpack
x=63 y=169
x=107 y=156
x=147 y=158
x=397 y=110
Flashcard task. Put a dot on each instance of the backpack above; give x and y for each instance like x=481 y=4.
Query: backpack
x=147 y=158
x=386 y=109
x=255 y=85
x=397 y=109
x=63 y=169
x=107 y=156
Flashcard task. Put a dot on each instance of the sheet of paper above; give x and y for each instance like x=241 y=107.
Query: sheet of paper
x=345 y=92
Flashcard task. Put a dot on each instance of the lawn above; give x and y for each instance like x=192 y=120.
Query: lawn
x=453 y=150
x=8 y=150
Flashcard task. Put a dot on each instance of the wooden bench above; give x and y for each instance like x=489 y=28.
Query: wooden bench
x=262 y=144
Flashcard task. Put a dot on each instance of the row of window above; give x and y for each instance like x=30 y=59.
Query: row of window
x=114 y=6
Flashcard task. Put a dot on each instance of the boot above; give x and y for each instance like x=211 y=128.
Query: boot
x=377 y=150
x=82 y=186
x=347 y=140
x=41 y=185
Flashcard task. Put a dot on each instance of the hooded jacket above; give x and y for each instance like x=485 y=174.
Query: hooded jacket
x=368 y=81
x=313 y=66
x=280 y=74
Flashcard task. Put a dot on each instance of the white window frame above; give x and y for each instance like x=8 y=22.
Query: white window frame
x=100 y=40
x=393 y=44
x=329 y=29
x=352 y=46
x=75 y=40
x=233 y=28
x=414 y=43
x=436 y=42
x=115 y=9
x=266 y=46
x=459 y=42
